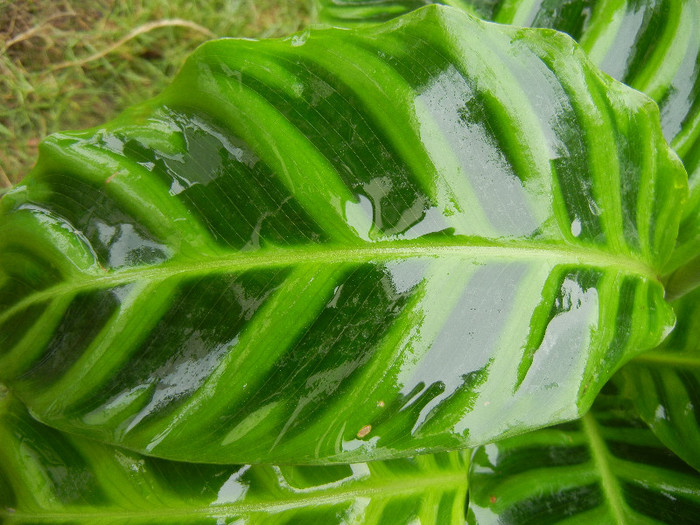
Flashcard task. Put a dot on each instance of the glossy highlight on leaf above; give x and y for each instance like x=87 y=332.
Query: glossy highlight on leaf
x=50 y=477
x=342 y=246
x=606 y=468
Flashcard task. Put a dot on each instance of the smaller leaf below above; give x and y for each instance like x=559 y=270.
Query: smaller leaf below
x=606 y=468
x=50 y=477
x=664 y=384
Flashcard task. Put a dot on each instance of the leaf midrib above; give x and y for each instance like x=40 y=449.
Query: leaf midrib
x=475 y=249
x=676 y=360
x=599 y=452
x=412 y=484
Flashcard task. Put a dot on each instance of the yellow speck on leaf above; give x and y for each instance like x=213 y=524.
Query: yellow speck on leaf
x=364 y=431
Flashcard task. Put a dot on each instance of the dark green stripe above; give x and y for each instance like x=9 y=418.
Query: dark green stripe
x=329 y=355
x=517 y=460
x=549 y=508
x=448 y=502
x=15 y=328
x=363 y=157
x=682 y=98
x=666 y=505
x=72 y=337
x=400 y=510
x=217 y=172
x=549 y=306
x=624 y=320
x=184 y=348
x=571 y=168
x=658 y=456
x=70 y=476
x=7 y=495
x=304 y=477
x=656 y=17
x=691 y=382
x=28 y=271
x=569 y=16
x=118 y=238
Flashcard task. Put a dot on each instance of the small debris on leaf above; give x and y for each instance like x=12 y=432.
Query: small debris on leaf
x=364 y=431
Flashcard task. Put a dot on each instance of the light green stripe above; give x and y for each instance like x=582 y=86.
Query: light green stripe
x=470 y=249
x=294 y=159
x=426 y=313
x=645 y=191
x=430 y=160
x=602 y=334
x=602 y=460
x=34 y=342
x=674 y=359
x=265 y=338
x=670 y=48
x=120 y=484
x=415 y=483
x=136 y=316
x=49 y=237
x=591 y=106
x=602 y=30
x=134 y=188
x=517 y=12
x=27 y=474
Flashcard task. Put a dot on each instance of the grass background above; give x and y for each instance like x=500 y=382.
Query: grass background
x=70 y=64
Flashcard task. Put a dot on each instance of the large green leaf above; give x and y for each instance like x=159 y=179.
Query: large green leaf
x=341 y=246
x=607 y=468
x=651 y=45
x=50 y=477
x=664 y=384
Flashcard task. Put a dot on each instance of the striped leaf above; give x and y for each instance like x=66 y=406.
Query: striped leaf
x=342 y=246
x=50 y=477
x=356 y=13
x=606 y=468
x=664 y=384
x=651 y=45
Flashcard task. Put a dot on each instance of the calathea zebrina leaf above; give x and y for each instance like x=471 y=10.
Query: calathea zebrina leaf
x=355 y=13
x=50 y=477
x=342 y=246
x=664 y=384
x=606 y=468
x=651 y=45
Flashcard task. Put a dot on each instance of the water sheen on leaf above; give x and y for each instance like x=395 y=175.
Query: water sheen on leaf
x=342 y=246
x=651 y=45
x=50 y=477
